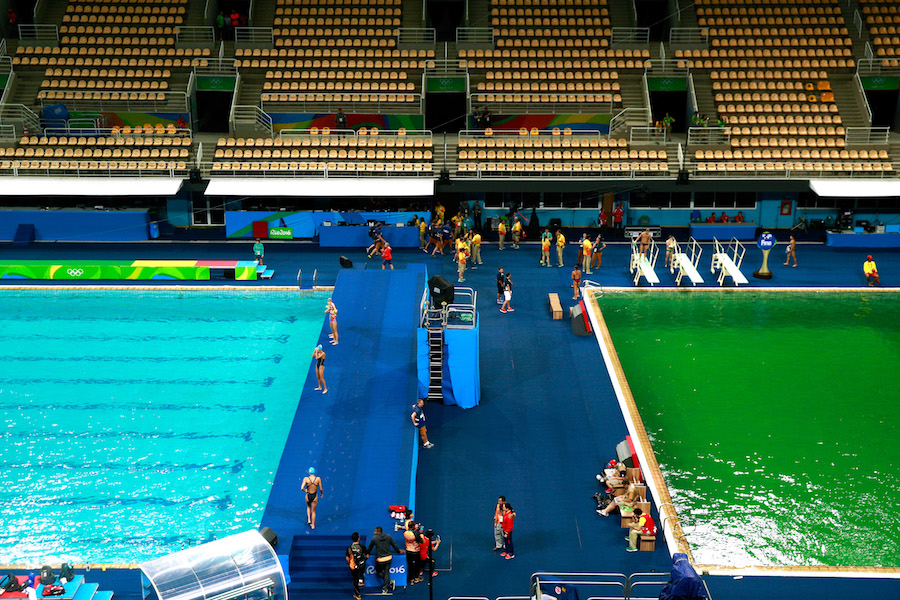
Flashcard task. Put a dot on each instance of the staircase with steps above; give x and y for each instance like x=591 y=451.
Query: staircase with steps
x=52 y=13
x=706 y=99
x=251 y=89
x=444 y=152
x=317 y=565
x=621 y=14
x=411 y=14
x=263 y=13
x=479 y=13
x=853 y=114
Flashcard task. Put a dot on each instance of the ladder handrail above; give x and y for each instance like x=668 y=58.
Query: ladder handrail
x=300 y=278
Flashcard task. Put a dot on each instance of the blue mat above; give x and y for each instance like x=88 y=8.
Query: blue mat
x=358 y=436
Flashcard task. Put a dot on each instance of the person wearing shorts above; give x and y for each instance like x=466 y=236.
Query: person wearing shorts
x=501 y=282
x=387 y=257
x=507 y=295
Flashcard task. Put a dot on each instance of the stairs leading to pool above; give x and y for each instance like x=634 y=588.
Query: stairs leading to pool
x=318 y=568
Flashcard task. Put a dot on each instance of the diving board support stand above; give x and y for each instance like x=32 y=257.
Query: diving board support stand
x=727 y=261
x=644 y=264
x=686 y=261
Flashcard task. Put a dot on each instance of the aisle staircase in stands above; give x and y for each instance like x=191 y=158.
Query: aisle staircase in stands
x=317 y=565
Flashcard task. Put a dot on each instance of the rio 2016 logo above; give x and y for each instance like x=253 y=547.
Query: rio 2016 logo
x=370 y=569
x=75 y=272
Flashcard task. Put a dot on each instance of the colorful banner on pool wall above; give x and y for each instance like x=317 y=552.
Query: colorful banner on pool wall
x=135 y=119
x=598 y=122
x=239 y=223
x=138 y=269
x=354 y=121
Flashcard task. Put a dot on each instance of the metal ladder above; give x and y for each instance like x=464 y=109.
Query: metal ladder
x=435 y=320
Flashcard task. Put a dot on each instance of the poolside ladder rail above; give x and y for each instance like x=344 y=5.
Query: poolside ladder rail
x=642 y=265
x=687 y=263
x=727 y=261
x=300 y=278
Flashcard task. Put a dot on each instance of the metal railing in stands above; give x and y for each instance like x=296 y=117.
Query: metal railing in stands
x=630 y=35
x=647 y=135
x=689 y=35
x=331 y=106
x=858 y=21
x=692 y=89
x=709 y=135
x=645 y=88
x=680 y=156
x=194 y=35
x=866 y=135
x=861 y=95
x=199 y=158
x=408 y=133
x=792 y=174
x=868 y=52
x=250 y=115
x=2 y=46
x=38 y=8
x=630 y=172
x=90 y=168
x=89 y=128
x=254 y=35
x=216 y=67
x=665 y=68
x=8 y=89
x=29 y=32
x=171 y=102
x=678 y=11
x=416 y=35
x=474 y=35
x=22 y=117
x=7 y=132
x=876 y=67
x=504 y=102
x=462 y=313
x=207 y=17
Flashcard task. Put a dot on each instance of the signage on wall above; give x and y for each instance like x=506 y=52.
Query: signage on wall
x=283 y=233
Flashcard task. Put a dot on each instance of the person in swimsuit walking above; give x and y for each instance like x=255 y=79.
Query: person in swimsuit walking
x=332 y=311
x=791 y=252
x=319 y=355
x=312 y=486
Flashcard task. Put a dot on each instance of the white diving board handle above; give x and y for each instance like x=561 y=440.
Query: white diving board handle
x=729 y=268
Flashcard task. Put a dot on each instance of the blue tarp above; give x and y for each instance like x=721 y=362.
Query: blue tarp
x=684 y=582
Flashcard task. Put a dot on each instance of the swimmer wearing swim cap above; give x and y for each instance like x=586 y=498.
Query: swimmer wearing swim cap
x=312 y=486
x=319 y=355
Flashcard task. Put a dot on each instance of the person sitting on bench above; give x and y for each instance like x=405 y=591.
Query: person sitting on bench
x=641 y=524
x=871 y=271
x=629 y=498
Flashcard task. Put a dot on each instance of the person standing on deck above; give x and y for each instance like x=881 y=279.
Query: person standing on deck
x=259 y=251
x=312 y=487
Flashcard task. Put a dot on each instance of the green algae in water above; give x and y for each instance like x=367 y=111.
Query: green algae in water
x=774 y=418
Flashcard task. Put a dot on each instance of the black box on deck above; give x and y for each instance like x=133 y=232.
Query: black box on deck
x=441 y=291
x=269 y=536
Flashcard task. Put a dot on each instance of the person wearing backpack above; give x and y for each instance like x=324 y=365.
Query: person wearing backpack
x=356 y=560
x=641 y=524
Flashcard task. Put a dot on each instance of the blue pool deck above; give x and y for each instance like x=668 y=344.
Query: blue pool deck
x=548 y=419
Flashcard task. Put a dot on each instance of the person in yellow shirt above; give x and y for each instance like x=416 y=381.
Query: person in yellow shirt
x=545 y=252
x=476 y=250
x=502 y=231
x=439 y=212
x=517 y=233
x=423 y=227
x=871 y=271
x=461 y=261
x=586 y=248
x=560 y=246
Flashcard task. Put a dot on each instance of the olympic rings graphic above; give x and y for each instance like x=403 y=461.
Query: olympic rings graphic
x=75 y=272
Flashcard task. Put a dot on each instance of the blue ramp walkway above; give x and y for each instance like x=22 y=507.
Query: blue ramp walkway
x=358 y=436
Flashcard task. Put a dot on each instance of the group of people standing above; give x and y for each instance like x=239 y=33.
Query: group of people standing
x=226 y=24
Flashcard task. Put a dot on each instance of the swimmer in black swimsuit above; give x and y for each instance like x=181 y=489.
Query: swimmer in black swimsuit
x=319 y=355
x=312 y=485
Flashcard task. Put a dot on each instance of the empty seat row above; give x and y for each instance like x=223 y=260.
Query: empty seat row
x=343 y=32
x=103 y=96
x=133 y=3
x=77 y=50
x=321 y=5
x=346 y=53
x=110 y=73
x=796 y=142
x=769 y=64
x=355 y=22
x=785 y=130
x=105 y=84
x=125 y=139
x=367 y=98
x=770 y=74
x=123 y=19
x=535 y=4
x=424 y=168
x=552 y=42
x=83 y=61
x=544 y=141
x=394 y=66
x=567 y=75
x=770 y=85
x=809 y=36
x=604 y=86
x=769 y=11
x=315 y=153
x=117 y=41
x=123 y=9
x=538 y=155
x=570 y=168
x=769 y=21
x=554 y=12
x=782 y=119
x=806 y=167
x=550 y=22
x=794 y=154
x=766 y=53
x=593 y=53
x=816 y=4
x=99 y=153
x=135 y=166
x=340 y=42
x=773 y=97
x=117 y=30
x=380 y=75
x=805 y=44
x=776 y=108
x=316 y=12
x=337 y=140
x=339 y=86
x=550 y=98
x=611 y=65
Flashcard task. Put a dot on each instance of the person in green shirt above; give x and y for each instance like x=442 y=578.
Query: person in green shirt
x=220 y=24
x=258 y=251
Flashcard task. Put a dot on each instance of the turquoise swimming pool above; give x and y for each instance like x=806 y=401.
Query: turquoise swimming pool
x=135 y=421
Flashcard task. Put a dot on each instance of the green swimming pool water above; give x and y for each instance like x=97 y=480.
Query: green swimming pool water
x=774 y=417
x=137 y=422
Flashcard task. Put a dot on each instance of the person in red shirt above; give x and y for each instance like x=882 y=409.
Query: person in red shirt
x=618 y=213
x=428 y=543
x=602 y=220
x=711 y=218
x=724 y=218
x=739 y=218
x=386 y=256
x=509 y=520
